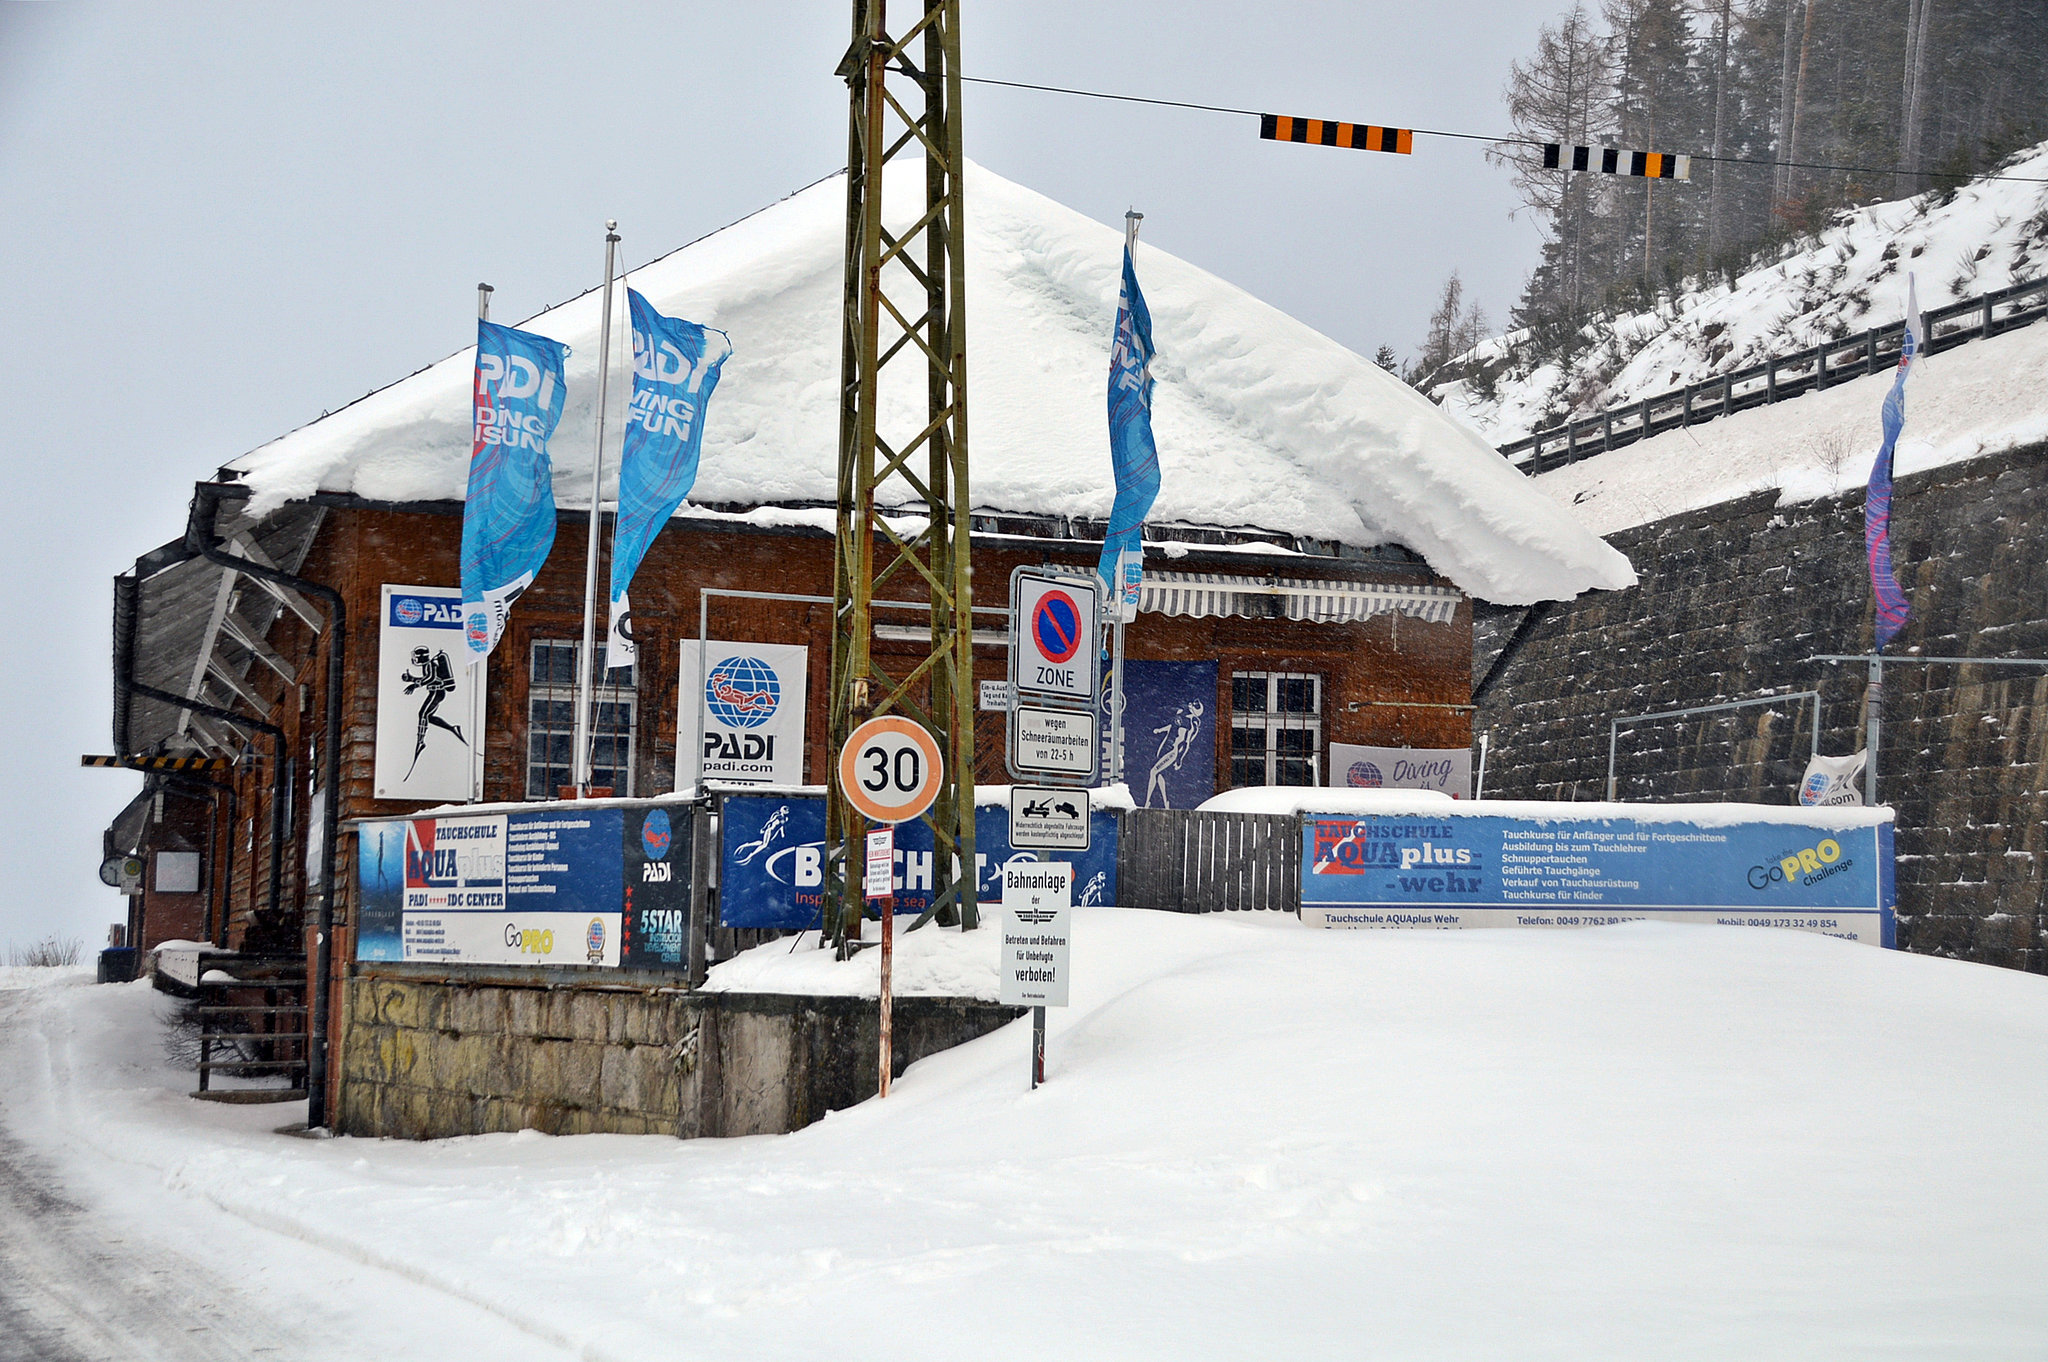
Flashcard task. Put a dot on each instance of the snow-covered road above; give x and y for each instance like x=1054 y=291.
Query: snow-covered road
x=1257 y=1140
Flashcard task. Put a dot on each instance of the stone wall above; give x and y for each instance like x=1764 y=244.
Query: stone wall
x=1731 y=602
x=426 y=1057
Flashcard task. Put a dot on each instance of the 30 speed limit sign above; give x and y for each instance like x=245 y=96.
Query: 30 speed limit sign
x=890 y=769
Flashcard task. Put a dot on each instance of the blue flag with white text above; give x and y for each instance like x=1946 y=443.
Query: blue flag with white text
x=1131 y=451
x=675 y=368
x=508 y=519
x=1890 y=601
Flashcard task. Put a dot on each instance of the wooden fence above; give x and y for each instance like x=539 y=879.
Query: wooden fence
x=1188 y=862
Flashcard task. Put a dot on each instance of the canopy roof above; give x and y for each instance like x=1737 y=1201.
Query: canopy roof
x=1260 y=420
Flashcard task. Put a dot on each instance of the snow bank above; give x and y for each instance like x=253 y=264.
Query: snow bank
x=1256 y=1140
x=44 y=976
x=1979 y=399
x=1260 y=420
x=933 y=961
x=1843 y=281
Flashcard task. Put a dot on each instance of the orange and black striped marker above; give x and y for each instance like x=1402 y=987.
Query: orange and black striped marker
x=159 y=763
x=1327 y=132
x=1644 y=165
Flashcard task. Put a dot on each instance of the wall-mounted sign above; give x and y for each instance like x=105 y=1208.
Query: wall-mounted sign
x=1559 y=870
x=740 y=713
x=430 y=702
x=1447 y=770
x=556 y=885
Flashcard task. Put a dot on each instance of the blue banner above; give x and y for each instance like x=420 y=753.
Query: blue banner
x=774 y=861
x=1446 y=870
x=1131 y=451
x=1170 y=732
x=545 y=887
x=675 y=368
x=508 y=519
x=1890 y=601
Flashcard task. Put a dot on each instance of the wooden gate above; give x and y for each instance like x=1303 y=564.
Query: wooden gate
x=1188 y=862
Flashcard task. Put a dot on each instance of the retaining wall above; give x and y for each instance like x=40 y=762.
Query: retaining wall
x=425 y=1056
x=1731 y=602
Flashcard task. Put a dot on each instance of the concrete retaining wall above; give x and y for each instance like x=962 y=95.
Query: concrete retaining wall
x=425 y=1057
x=1731 y=602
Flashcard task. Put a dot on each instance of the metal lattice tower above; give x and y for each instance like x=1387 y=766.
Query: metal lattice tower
x=904 y=314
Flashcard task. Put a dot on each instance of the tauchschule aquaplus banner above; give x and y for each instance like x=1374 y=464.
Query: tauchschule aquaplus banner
x=558 y=884
x=1514 y=864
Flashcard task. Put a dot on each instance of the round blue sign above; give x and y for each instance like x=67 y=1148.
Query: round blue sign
x=742 y=692
x=1056 y=626
x=655 y=835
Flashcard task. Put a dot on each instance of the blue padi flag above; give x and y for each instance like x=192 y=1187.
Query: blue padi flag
x=508 y=522
x=1877 y=502
x=675 y=368
x=1131 y=451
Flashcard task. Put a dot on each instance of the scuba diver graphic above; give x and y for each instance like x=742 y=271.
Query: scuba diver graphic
x=438 y=677
x=1174 y=749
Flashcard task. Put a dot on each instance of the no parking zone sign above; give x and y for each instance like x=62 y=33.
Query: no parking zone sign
x=1055 y=677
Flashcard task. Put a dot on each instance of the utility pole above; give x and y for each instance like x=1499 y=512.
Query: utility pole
x=904 y=306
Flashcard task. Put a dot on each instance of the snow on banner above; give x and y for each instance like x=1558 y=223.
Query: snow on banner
x=1890 y=602
x=508 y=518
x=1131 y=451
x=1831 y=875
x=675 y=369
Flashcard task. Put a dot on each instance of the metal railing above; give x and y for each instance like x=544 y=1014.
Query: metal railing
x=1614 y=726
x=1777 y=378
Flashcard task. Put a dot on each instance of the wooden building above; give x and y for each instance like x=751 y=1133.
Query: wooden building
x=1312 y=562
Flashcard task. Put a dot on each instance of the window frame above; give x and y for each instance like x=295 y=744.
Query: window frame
x=1271 y=720
x=547 y=689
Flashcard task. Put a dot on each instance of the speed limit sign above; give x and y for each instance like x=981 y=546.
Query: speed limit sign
x=890 y=769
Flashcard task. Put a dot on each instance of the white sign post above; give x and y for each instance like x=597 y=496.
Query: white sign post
x=1044 y=819
x=1037 y=897
x=890 y=771
x=1055 y=677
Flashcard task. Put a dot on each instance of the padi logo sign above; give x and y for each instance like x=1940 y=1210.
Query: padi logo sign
x=426 y=612
x=742 y=692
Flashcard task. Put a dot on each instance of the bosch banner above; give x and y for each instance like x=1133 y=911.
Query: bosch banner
x=508 y=517
x=740 y=713
x=774 y=861
x=1813 y=872
x=675 y=368
x=430 y=707
x=554 y=886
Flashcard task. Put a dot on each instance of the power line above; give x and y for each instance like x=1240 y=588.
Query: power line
x=1506 y=141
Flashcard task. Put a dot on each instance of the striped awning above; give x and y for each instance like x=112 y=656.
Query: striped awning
x=1202 y=594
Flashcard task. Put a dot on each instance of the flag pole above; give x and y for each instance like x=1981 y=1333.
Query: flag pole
x=1116 y=657
x=580 y=771
x=476 y=691
x=483 y=302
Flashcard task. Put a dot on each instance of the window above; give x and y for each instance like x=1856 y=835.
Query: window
x=551 y=723
x=1276 y=728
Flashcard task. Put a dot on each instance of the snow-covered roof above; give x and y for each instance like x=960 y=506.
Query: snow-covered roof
x=1260 y=420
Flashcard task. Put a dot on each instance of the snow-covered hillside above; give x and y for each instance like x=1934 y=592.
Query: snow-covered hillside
x=1256 y=1140
x=1849 y=278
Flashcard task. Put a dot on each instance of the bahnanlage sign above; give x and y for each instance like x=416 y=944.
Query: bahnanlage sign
x=740 y=713
x=1832 y=876
x=430 y=703
x=553 y=885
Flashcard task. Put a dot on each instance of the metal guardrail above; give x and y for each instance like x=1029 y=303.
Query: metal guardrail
x=1774 y=380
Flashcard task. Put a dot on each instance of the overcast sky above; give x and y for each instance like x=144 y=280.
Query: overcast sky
x=218 y=222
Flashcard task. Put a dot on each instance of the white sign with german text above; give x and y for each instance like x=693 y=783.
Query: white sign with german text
x=1036 y=900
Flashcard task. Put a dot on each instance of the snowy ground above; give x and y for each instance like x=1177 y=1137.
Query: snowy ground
x=1257 y=1140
